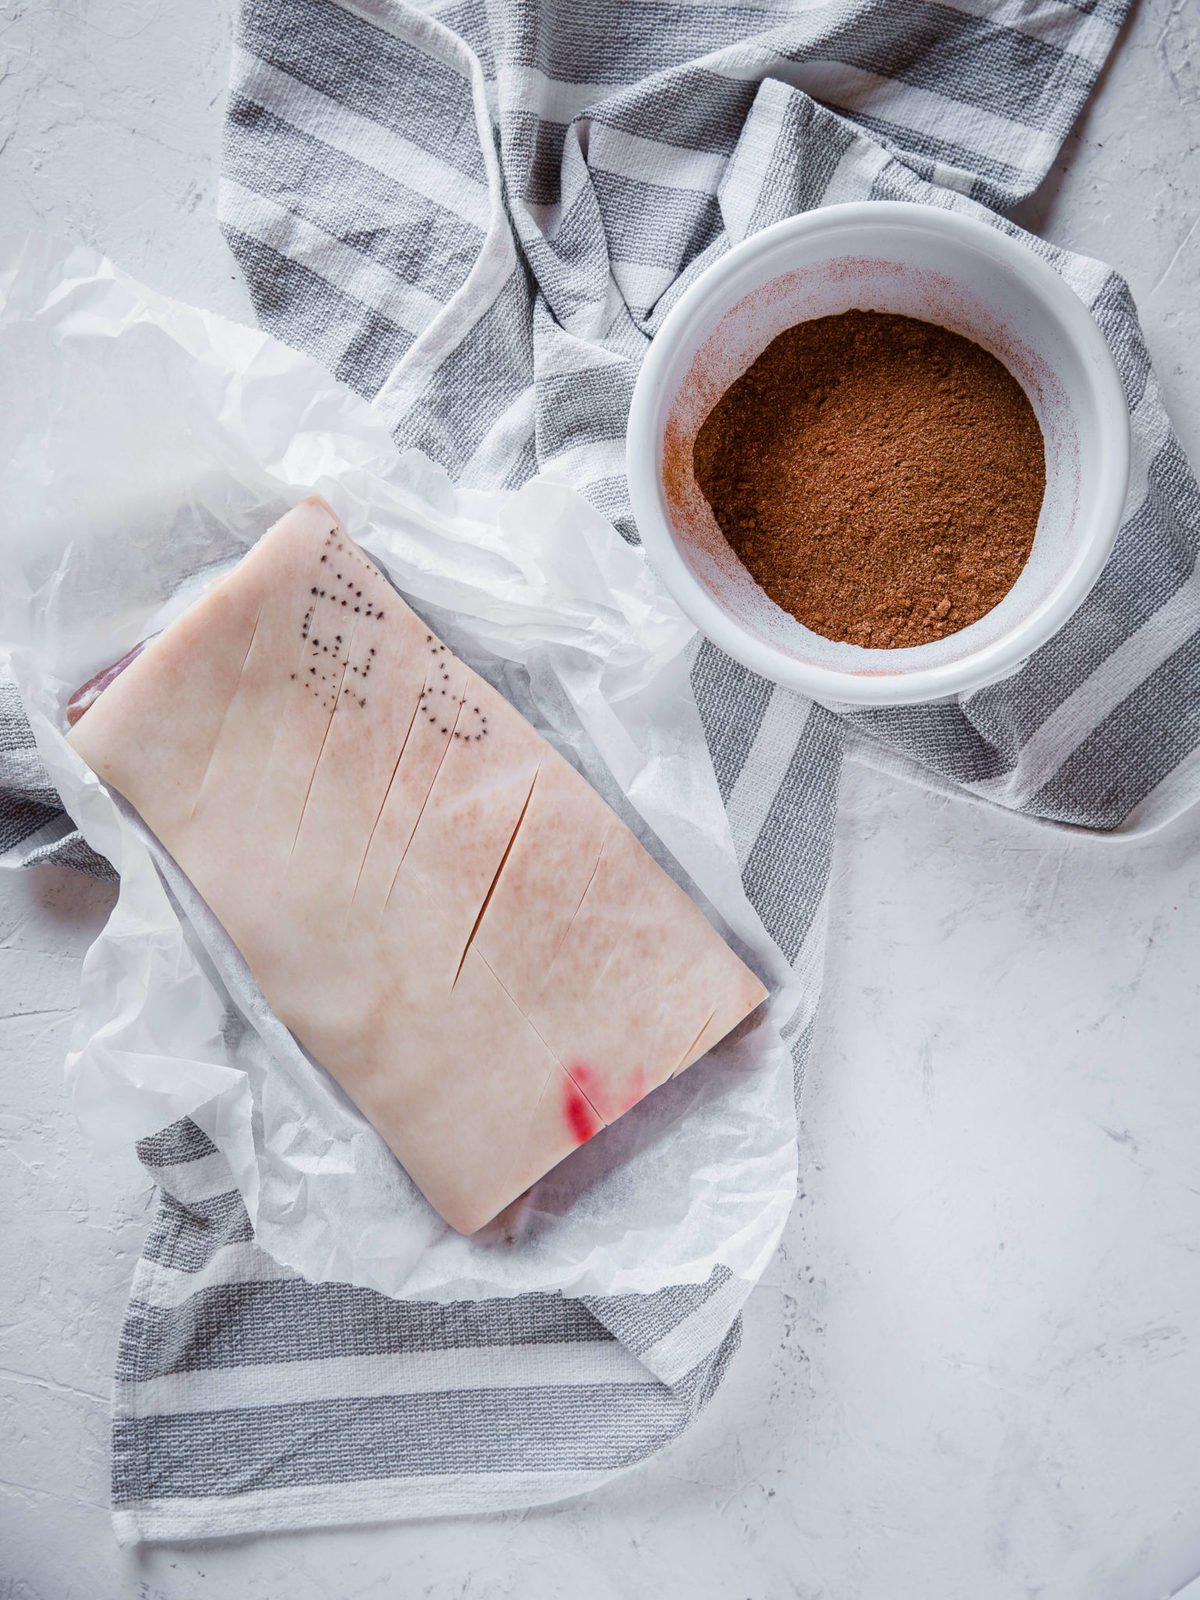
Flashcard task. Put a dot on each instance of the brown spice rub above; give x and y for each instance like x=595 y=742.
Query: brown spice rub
x=880 y=477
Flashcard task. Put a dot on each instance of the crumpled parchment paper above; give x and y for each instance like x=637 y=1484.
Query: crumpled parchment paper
x=144 y=446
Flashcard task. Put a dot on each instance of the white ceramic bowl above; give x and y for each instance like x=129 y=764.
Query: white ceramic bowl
x=924 y=262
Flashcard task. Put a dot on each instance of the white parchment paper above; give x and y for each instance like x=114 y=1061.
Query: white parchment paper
x=144 y=446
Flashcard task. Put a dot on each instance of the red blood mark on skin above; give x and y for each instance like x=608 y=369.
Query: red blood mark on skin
x=595 y=1093
x=582 y=1119
x=577 y=1108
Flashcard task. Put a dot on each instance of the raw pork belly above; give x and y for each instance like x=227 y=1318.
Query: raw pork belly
x=437 y=905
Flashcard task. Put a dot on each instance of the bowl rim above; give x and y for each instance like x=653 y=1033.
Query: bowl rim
x=1002 y=656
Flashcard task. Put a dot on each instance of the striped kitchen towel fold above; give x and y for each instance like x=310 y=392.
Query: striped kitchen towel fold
x=33 y=825
x=477 y=215
x=246 y=1398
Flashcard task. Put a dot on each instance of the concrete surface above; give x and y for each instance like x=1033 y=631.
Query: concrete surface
x=974 y=1371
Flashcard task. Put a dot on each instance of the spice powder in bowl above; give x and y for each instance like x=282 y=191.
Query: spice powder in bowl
x=878 y=476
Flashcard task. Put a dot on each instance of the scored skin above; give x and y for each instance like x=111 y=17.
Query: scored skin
x=444 y=913
x=679 y=997
x=545 y=880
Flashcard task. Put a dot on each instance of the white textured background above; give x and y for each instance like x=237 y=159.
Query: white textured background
x=974 y=1372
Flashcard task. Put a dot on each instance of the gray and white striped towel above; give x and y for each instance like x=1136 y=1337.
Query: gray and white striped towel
x=477 y=214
